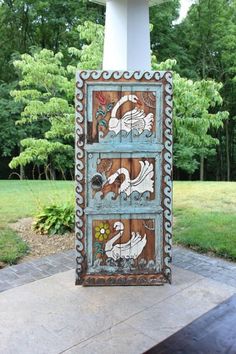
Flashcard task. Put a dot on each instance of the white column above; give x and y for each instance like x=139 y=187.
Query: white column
x=127 y=35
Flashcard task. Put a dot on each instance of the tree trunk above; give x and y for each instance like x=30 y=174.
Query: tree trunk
x=221 y=164
x=52 y=173
x=227 y=149
x=46 y=172
x=217 y=164
x=22 y=169
x=202 y=168
x=22 y=172
x=39 y=173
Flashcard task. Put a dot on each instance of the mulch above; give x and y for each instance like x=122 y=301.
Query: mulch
x=41 y=245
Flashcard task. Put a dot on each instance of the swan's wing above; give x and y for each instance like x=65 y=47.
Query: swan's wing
x=146 y=171
x=123 y=246
x=136 y=240
x=132 y=242
x=134 y=119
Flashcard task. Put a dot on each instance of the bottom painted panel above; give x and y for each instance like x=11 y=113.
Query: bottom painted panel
x=127 y=244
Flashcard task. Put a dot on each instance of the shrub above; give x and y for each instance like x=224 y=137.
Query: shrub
x=55 y=219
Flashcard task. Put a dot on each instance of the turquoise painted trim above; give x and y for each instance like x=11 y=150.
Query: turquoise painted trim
x=132 y=148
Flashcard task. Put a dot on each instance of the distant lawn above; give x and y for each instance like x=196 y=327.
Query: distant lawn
x=20 y=199
x=23 y=198
x=205 y=212
x=205 y=217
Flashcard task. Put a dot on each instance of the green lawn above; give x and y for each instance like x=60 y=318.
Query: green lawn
x=205 y=212
x=24 y=198
x=205 y=217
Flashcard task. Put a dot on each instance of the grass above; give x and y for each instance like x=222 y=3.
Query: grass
x=12 y=247
x=205 y=212
x=20 y=199
x=24 y=198
x=205 y=217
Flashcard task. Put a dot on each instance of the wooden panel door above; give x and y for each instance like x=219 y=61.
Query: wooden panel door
x=123 y=178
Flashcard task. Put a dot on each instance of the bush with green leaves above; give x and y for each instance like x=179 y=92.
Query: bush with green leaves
x=55 y=219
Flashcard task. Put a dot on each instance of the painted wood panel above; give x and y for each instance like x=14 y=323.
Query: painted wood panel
x=124 y=178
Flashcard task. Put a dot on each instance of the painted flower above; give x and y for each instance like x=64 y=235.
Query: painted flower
x=102 y=231
x=101 y=98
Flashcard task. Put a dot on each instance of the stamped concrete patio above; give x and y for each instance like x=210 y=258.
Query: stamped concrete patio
x=51 y=315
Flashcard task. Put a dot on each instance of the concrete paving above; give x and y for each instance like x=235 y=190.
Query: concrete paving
x=52 y=316
x=20 y=274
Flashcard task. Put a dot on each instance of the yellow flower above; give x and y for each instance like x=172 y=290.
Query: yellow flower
x=102 y=231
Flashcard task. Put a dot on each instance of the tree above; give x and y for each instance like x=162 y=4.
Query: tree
x=163 y=41
x=193 y=119
x=41 y=24
x=10 y=136
x=208 y=36
x=46 y=91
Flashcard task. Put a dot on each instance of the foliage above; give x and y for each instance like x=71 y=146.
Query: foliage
x=55 y=219
x=193 y=119
x=12 y=247
x=46 y=91
x=91 y=54
x=207 y=37
x=163 y=38
x=10 y=136
x=41 y=24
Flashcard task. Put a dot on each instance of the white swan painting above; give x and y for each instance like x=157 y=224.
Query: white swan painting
x=134 y=119
x=142 y=183
x=129 y=250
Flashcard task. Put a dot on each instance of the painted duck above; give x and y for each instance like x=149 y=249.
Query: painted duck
x=142 y=183
x=131 y=249
x=134 y=119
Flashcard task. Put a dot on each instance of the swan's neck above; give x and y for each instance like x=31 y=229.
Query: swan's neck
x=118 y=104
x=116 y=237
x=109 y=245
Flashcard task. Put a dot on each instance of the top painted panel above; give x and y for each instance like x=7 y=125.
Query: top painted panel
x=121 y=113
x=151 y=2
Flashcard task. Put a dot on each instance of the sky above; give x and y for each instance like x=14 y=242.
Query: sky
x=185 y=5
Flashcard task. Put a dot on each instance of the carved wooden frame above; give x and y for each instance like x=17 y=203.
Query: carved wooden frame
x=84 y=77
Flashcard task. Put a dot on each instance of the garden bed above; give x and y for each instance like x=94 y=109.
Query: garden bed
x=41 y=245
